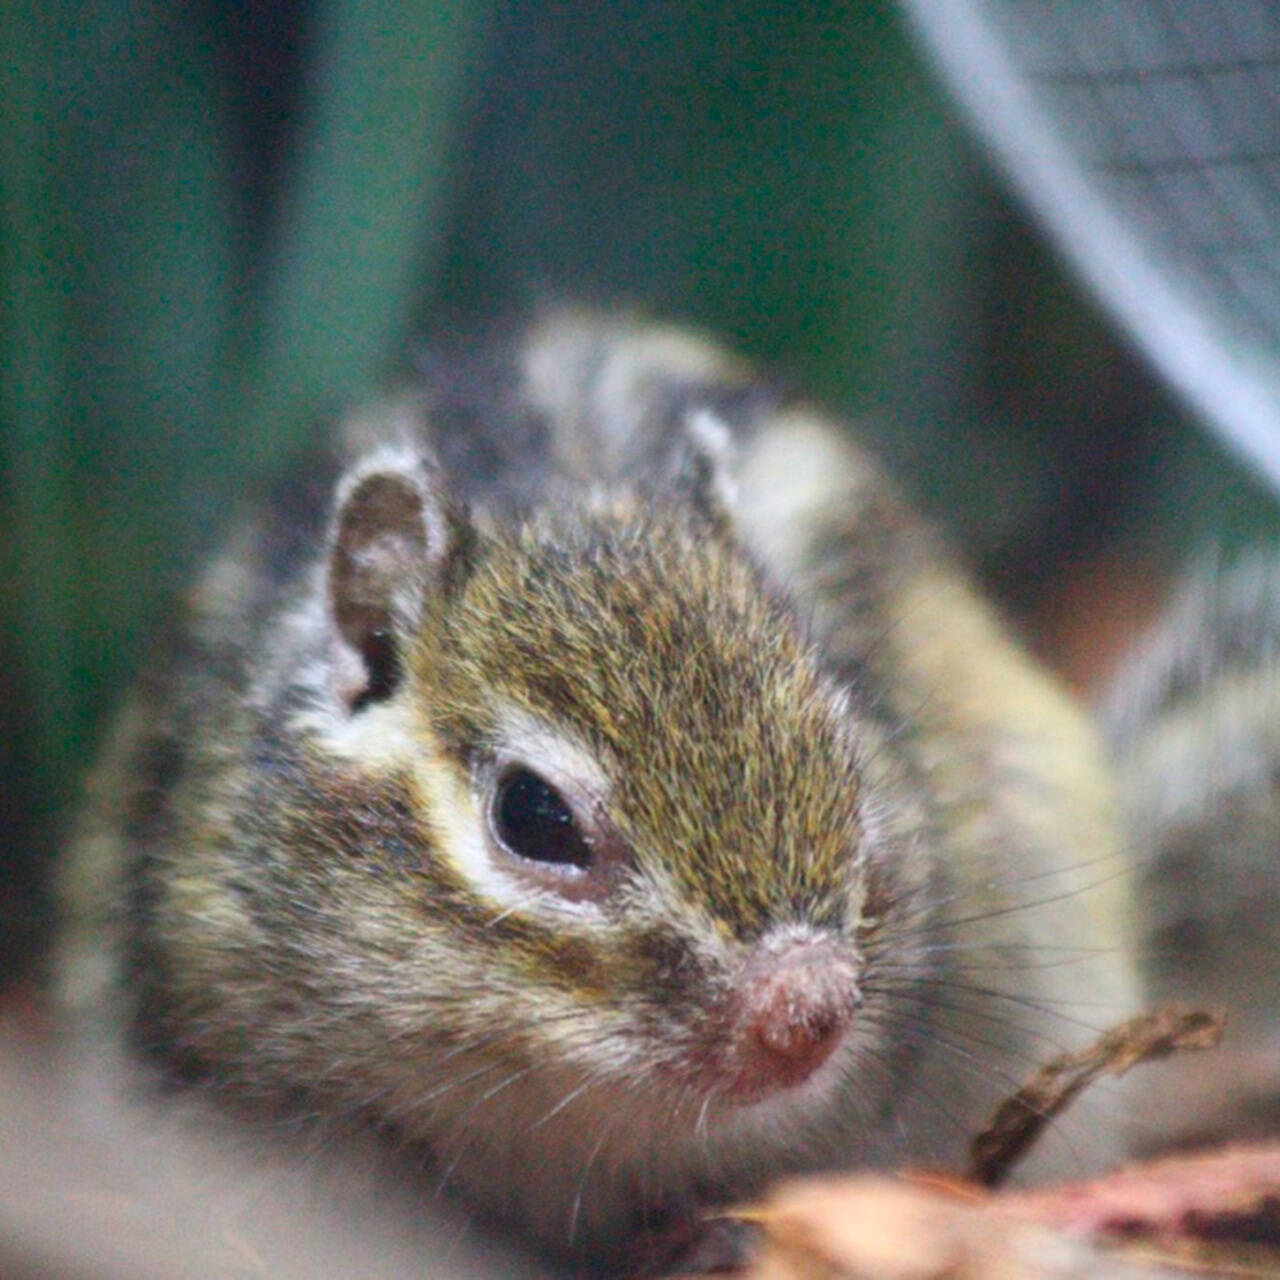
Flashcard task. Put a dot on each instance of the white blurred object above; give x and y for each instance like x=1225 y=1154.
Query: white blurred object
x=1146 y=136
x=93 y=1187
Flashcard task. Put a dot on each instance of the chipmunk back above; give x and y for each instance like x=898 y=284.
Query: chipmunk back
x=592 y=777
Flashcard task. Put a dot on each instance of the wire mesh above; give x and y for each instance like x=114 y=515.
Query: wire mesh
x=1146 y=133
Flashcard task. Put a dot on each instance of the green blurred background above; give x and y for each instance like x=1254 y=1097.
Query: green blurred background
x=223 y=221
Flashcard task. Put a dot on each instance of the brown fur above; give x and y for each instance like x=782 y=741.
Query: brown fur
x=784 y=715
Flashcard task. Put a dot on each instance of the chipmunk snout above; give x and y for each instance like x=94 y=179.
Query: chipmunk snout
x=795 y=1002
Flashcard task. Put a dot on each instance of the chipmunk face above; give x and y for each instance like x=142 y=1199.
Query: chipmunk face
x=641 y=804
x=658 y=772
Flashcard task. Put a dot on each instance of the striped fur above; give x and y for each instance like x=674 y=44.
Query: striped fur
x=686 y=594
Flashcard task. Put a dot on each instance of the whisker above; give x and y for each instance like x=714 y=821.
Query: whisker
x=913 y=1085
x=1051 y=1008
x=569 y=1098
x=575 y=1212
x=932 y=1002
x=925 y=1032
x=931 y=906
x=1034 y=904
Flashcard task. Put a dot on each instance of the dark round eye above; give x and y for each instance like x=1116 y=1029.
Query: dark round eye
x=533 y=821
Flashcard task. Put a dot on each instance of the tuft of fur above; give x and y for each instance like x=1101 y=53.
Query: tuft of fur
x=688 y=600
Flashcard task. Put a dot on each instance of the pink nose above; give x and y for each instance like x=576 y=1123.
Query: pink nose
x=796 y=1003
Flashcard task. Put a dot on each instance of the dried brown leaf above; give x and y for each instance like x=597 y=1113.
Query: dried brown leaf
x=876 y=1228
x=1232 y=1194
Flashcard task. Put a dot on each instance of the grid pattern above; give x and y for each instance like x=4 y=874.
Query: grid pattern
x=1146 y=135
x=1174 y=107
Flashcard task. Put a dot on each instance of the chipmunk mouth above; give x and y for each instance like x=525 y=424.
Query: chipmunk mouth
x=787 y=1013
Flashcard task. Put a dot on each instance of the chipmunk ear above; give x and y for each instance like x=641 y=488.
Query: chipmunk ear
x=705 y=470
x=392 y=533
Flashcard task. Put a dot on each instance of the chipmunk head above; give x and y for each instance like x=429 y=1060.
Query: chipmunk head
x=638 y=800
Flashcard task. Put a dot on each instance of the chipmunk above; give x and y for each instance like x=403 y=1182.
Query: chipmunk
x=1193 y=716
x=592 y=777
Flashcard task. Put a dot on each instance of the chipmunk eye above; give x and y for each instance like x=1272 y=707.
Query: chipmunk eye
x=532 y=819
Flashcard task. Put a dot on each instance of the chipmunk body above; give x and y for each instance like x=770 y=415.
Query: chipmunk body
x=1194 y=719
x=594 y=779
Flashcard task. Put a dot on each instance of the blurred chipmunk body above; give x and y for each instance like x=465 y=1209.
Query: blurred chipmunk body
x=593 y=778
x=1194 y=717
